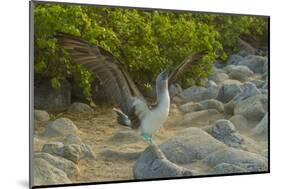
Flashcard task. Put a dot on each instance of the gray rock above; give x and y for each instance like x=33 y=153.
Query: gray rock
x=229 y=107
x=218 y=64
x=189 y=145
x=228 y=91
x=234 y=59
x=190 y=107
x=125 y=136
x=175 y=89
x=264 y=91
x=178 y=100
x=41 y=115
x=265 y=69
x=258 y=83
x=262 y=127
x=239 y=121
x=243 y=69
x=72 y=139
x=48 y=98
x=255 y=63
x=72 y=152
x=78 y=107
x=226 y=168
x=252 y=108
x=46 y=174
x=231 y=82
x=211 y=83
x=245 y=48
x=60 y=127
x=250 y=161
x=61 y=163
x=195 y=118
x=241 y=73
x=248 y=90
x=153 y=164
x=224 y=131
x=265 y=85
x=212 y=104
x=200 y=93
x=218 y=77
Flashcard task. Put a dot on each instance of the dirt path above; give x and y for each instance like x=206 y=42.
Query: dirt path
x=115 y=159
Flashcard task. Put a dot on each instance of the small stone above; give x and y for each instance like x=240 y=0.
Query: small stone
x=61 y=163
x=78 y=107
x=60 y=127
x=190 y=107
x=73 y=152
x=46 y=174
x=41 y=115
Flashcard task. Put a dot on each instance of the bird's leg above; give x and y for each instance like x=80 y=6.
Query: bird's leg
x=148 y=138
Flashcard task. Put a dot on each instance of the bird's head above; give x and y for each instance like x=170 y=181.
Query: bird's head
x=162 y=81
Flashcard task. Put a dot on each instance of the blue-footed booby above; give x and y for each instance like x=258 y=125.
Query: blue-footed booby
x=133 y=110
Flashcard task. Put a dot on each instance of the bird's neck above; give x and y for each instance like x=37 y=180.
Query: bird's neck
x=163 y=99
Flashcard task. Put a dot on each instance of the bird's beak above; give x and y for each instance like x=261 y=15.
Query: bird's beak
x=165 y=74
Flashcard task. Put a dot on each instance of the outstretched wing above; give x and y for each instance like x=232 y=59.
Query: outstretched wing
x=185 y=65
x=108 y=69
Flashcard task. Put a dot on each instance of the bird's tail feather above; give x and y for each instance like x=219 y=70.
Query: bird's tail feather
x=122 y=118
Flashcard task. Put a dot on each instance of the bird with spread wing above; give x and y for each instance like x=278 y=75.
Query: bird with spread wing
x=133 y=110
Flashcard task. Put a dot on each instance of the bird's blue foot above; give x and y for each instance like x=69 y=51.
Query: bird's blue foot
x=147 y=138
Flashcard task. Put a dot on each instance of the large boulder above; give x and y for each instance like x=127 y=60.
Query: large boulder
x=248 y=89
x=190 y=107
x=200 y=118
x=228 y=91
x=252 y=108
x=196 y=93
x=212 y=104
x=60 y=127
x=255 y=63
x=48 y=98
x=41 y=115
x=239 y=121
x=78 y=107
x=241 y=73
x=258 y=83
x=153 y=164
x=218 y=77
x=226 y=168
x=72 y=152
x=250 y=161
x=224 y=131
x=190 y=145
x=234 y=59
x=63 y=164
x=46 y=174
x=262 y=127
x=72 y=139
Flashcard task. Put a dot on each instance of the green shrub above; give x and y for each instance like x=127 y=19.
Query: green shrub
x=146 y=41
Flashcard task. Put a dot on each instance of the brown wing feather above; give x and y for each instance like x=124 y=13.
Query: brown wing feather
x=185 y=65
x=110 y=71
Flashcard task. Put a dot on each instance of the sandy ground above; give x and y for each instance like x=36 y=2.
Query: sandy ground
x=98 y=128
